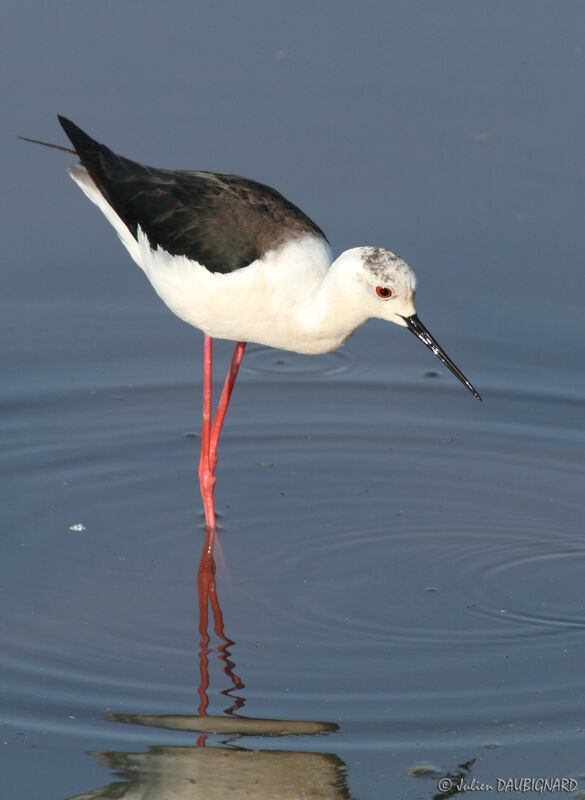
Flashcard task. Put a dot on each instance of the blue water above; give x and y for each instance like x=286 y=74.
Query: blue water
x=394 y=557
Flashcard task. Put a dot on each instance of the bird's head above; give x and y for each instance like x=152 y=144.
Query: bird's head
x=384 y=285
x=385 y=282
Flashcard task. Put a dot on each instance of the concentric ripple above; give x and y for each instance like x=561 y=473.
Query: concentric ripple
x=402 y=531
x=448 y=587
x=366 y=530
x=267 y=361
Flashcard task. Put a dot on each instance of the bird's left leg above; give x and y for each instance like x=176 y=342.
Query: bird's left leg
x=224 y=401
x=210 y=433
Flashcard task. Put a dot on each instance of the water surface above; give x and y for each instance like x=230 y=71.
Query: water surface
x=395 y=559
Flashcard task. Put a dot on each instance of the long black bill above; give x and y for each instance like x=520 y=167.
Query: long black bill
x=415 y=325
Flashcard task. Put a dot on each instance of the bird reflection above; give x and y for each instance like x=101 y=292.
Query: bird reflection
x=198 y=771
x=195 y=773
x=207 y=591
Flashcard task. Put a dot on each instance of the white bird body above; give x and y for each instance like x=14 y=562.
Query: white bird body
x=292 y=298
x=238 y=260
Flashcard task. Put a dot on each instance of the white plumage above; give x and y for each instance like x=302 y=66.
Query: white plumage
x=291 y=298
x=238 y=260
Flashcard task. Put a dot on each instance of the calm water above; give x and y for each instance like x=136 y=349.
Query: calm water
x=395 y=559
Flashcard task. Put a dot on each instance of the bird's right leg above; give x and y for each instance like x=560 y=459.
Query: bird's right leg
x=206 y=470
x=210 y=433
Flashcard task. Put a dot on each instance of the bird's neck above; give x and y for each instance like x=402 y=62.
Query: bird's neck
x=332 y=313
x=293 y=299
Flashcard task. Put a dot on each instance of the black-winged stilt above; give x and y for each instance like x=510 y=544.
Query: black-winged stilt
x=239 y=261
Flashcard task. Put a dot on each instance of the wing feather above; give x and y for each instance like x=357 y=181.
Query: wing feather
x=222 y=221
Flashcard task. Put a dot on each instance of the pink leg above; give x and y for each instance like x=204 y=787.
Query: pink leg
x=224 y=401
x=210 y=433
x=206 y=476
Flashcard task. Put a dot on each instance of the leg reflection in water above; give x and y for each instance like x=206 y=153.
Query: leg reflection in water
x=207 y=592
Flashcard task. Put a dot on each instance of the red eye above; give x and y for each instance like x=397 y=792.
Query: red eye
x=383 y=291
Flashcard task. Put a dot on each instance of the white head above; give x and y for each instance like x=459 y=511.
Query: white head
x=382 y=285
x=383 y=282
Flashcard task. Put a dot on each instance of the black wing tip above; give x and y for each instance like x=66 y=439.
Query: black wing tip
x=67 y=124
x=80 y=140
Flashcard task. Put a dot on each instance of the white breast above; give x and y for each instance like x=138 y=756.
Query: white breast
x=264 y=302
x=267 y=302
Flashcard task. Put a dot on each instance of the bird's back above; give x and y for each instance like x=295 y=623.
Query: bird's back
x=224 y=222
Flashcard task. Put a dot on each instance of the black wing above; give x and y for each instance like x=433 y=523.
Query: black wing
x=222 y=221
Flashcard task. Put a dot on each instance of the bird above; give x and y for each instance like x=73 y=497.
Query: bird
x=236 y=259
